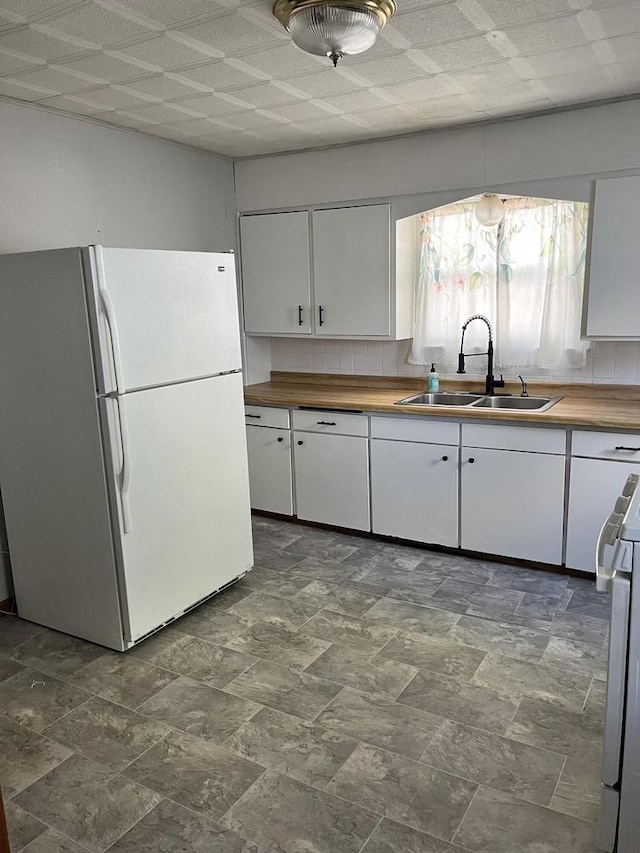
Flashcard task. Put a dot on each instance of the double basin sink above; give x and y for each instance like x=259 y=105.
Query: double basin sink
x=480 y=401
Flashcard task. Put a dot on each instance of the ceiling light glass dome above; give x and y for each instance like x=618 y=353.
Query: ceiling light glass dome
x=334 y=28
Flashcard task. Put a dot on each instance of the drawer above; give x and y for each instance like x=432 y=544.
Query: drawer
x=621 y=446
x=500 y=437
x=268 y=416
x=416 y=429
x=331 y=422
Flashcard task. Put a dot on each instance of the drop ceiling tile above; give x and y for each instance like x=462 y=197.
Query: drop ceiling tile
x=264 y=95
x=628 y=74
x=163 y=53
x=432 y=25
x=71 y=105
x=333 y=126
x=356 y=101
x=621 y=20
x=30 y=9
x=110 y=98
x=213 y=105
x=283 y=61
x=51 y=78
x=512 y=97
x=547 y=36
x=625 y=48
x=205 y=128
x=9 y=21
x=517 y=11
x=13 y=89
x=103 y=68
x=165 y=113
x=573 y=88
x=494 y=76
x=502 y=110
x=162 y=87
x=420 y=90
x=232 y=33
x=97 y=24
x=31 y=43
x=556 y=63
x=463 y=54
x=10 y=62
x=167 y=12
x=325 y=83
x=391 y=69
x=432 y=108
x=303 y=111
x=254 y=120
x=220 y=74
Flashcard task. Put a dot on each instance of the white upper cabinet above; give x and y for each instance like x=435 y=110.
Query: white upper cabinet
x=612 y=295
x=360 y=286
x=276 y=273
x=352 y=271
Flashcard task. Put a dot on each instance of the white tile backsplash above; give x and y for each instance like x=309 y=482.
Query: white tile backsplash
x=607 y=361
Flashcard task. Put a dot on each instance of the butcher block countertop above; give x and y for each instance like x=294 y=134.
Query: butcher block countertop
x=596 y=406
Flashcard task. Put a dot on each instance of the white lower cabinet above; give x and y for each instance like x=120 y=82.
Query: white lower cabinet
x=594 y=486
x=270 y=480
x=513 y=503
x=332 y=479
x=414 y=491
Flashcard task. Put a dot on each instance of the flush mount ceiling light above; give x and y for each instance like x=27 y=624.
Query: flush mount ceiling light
x=334 y=28
x=490 y=210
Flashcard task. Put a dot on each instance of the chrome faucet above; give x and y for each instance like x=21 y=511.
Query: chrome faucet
x=525 y=392
x=491 y=383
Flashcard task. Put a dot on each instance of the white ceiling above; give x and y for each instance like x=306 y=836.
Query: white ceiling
x=224 y=76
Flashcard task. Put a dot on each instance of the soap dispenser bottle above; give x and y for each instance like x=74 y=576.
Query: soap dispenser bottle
x=433 y=383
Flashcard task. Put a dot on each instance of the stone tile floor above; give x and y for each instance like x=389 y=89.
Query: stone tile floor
x=349 y=695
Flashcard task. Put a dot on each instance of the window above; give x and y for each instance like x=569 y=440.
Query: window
x=525 y=274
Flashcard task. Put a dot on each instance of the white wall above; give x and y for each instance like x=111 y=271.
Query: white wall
x=557 y=155
x=68 y=182
x=554 y=156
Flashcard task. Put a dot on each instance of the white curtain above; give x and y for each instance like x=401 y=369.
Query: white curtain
x=526 y=275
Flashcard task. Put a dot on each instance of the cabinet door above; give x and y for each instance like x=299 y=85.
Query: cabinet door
x=414 y=491
x=270 y=481
x=613 y=295
x=351 y=263
x=276 y=273
x=332 y=479
x=594 y=485
x=513 y=504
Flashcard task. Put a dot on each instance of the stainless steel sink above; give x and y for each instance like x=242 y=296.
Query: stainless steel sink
x=480 y=401
x=538 y=404
x=441 y=398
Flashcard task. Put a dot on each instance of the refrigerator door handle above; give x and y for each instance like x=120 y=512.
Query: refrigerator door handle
x=124 y=475
x=110 y=318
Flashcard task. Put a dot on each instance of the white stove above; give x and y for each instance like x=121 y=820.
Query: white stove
x=618 y=556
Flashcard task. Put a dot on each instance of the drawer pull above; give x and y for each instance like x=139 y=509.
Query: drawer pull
x=300 y=442
x=472 y=460
x=327 y=423
x=280 y=438
x=624 y=447
x=445 y=458
x=252 y=416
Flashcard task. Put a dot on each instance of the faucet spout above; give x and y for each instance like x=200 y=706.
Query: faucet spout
x=491 y=383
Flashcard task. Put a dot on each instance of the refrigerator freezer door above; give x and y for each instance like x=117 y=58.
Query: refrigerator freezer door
x=181 y=470
x=162 y=317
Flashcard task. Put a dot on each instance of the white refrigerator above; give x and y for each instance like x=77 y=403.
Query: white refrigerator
x=123 y=461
